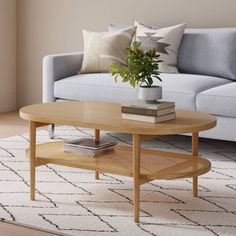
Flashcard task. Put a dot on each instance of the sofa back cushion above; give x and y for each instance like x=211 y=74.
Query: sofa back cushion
x=209 y=52
x=206 y=51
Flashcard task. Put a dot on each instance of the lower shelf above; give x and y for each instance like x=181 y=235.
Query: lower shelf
x=154 y=164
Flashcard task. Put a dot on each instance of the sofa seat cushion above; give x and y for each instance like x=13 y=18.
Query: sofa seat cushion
x=218 y=101
x=94 y=87
x=183 y=88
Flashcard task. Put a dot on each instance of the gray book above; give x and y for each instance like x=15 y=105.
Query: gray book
x=88 y=152
x=147 y=112
x=150 y=119
x=153 y=106
x=89 y=143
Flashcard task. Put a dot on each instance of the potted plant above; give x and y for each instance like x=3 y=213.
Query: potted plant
x=141 y=68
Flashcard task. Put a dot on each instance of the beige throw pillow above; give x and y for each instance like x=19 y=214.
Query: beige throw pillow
x=165 y=40
x=103 y=49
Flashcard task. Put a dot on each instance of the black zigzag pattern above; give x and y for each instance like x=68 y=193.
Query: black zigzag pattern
x=72 y=202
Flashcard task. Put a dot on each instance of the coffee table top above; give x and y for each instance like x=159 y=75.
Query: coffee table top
x=107 y=116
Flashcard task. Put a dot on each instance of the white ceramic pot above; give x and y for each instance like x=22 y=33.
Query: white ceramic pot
x=150 y=94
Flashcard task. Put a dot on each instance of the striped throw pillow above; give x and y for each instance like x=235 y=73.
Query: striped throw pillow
x=101 y=50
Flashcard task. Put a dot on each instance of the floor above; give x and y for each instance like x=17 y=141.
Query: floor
x=11 y=124
x=8 y=229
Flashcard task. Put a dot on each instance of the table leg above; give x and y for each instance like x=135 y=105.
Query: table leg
x=97 y=138
x=195 y=153
x=32 y=126
x=136 y=175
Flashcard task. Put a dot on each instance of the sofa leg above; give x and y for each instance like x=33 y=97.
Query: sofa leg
x=51 y=130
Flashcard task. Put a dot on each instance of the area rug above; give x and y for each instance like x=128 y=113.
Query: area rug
x=70 y=201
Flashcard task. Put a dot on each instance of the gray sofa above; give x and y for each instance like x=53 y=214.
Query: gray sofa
x=206 y=82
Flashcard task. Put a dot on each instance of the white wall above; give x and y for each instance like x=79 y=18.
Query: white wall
x=8 y=92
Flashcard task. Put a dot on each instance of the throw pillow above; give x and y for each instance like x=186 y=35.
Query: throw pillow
x=113 y=27
x=165 y=40
x=101 y=50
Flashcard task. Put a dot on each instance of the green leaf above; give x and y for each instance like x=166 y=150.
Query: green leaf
x=142 y=66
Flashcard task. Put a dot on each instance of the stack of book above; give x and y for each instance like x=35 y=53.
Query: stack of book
x=152 y=113
x=88 y=146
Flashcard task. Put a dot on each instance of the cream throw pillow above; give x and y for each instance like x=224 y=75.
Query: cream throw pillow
x=101 y=50
x=165 y=40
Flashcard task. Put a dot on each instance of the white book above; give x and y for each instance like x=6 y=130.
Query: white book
x=150 y=119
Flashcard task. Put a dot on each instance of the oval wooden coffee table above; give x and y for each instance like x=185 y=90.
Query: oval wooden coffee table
x=143 y=165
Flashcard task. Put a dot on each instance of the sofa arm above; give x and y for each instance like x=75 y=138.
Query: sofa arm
x=56 y=67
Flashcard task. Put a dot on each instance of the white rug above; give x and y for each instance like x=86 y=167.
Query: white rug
x=71 y=201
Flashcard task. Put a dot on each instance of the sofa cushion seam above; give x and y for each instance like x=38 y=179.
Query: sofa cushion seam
x=209 y=95
x=90 y=85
